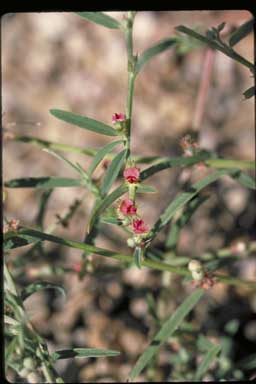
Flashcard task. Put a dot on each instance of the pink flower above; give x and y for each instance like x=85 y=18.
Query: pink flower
x=77 y=267
x=132 y=174
x=118 y=118
x=139 y=226
x=127 y=207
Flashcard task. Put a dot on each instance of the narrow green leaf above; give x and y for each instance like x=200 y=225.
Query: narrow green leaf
x=138 y=257
x=110 y=220
x=38 y=286
x=227 y=50
x=83 y=352
x=185 y=197
x=143 y=188
x=184 y=218
x=62 y=158
x=100 y=18
x=174 y=162
x=241 y=32
x=43 y=207
x=113 y=171
x=101 y=154
x=208 y=359
x=204 y=344
x=244 y=179
x=196 y=35
x=168 y=328
x=85 y=179
x=84 y=122
x=250 y=92
x=105 y=203
x=43 y=182
x=162 y=46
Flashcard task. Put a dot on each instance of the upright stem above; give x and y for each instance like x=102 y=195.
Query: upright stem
x=131 y=75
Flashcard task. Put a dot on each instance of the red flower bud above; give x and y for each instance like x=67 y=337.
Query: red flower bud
x=118 y=118
x=127 y=207
x=139 y=226
x=77 y=267
x=132 y=174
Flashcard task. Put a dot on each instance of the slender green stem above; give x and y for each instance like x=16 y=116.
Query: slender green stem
x=131 y=76
x=125 y=258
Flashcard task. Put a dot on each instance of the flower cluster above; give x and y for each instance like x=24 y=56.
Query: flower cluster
x=127 y=210
x=201 y=278
x=12 y=225
x=189 y=145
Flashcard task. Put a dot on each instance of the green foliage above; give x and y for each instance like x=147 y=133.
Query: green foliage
x=241 y=32
x=101 y=154
x=168 y=328
x=83 y=352
x=113 y=171
x=101 y=19
x=38 y=286
x=22 y=339
x=147 y=55
x=43 y=182
x=84 y=122
x=213 y=40
x=206 y=362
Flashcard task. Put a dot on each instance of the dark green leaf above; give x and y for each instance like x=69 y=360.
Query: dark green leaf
x=38 y=286
x=138 y=256
x=250 y=92
x=43 y=182
x=168 y=328
x=153 y=51
x=198 y=36
x=221 y=26
x=101 y=154
x=100 y=18
x=17 y=240
x=241 y=32
x=113 y=171
x=83 y=352
x=84 y=122
x=42 y=207
x=208 y=359
x=216 y=45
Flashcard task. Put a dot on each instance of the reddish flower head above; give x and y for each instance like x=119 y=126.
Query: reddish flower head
x=132 y=174
x=77 y=267
x=139 y=226
x=127 y=207
x=118 y=118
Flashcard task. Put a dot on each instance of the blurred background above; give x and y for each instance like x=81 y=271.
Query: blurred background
x=59 y=60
